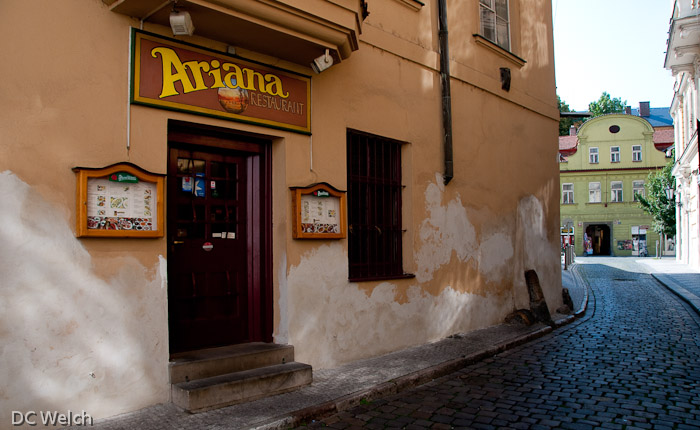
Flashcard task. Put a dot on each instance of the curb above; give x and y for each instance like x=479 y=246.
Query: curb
x=419 y=377
x=401 y=383
x=584 y=303
x=677 y=289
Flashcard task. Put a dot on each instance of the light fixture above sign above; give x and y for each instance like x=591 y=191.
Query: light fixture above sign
x=323 y=62
x=181 y=23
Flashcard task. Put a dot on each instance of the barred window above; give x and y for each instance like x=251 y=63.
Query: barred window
x=374 y=207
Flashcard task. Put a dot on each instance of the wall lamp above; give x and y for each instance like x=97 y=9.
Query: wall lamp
x=181 y=22
x=323 y=62
x=670 y=193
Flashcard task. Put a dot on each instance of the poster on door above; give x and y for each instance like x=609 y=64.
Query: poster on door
x=113 y=205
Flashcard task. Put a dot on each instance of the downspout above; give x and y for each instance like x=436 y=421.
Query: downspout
x=445 y=84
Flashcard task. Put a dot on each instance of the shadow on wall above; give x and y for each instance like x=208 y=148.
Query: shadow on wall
x=68 y=339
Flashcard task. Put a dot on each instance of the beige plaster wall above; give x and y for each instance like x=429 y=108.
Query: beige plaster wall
x=469 y=242
x=83 y=322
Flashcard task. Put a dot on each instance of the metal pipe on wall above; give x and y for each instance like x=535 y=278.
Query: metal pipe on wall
x=446 y=96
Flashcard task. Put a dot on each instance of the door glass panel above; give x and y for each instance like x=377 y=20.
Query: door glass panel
x=219 y=213
x=188 y=166
x=189 y=211
x=219 y=170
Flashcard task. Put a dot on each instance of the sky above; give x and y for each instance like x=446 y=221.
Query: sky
x=616 y=46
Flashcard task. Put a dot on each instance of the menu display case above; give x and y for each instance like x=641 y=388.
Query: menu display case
x=318 y=212
x=121 y=200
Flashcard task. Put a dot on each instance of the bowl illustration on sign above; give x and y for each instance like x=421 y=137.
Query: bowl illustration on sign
x=233 y=100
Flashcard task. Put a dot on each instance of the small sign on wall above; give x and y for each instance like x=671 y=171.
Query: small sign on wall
x=121 y=200
x=318 y=212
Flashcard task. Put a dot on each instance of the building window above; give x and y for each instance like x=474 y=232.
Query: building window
x=638 y=189
x=636 y=152
x=593 y=155
x=567 y=194
x=494 y=22
x=374 y=207
x=616 y=191
x=614 y=154
x=594 y=192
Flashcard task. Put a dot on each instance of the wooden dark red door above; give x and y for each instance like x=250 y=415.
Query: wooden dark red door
x=208 y=279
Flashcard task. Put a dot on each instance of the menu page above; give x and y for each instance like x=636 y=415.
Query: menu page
x=319 y=214
x=121 y=205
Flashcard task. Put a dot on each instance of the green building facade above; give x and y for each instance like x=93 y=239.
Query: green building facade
x=602 y=168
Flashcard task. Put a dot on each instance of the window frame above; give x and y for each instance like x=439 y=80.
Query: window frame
x=638 y=185
x=591 y=190
x=614 y=192
x=567 y=196
x=591 y=153
x=637 y=153
x=614 y=154
x=490 y=7
x=374 y=204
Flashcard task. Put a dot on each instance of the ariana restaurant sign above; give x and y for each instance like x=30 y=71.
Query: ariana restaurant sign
x=173 y=75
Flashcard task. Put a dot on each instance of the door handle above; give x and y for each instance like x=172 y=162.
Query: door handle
x=178 y=242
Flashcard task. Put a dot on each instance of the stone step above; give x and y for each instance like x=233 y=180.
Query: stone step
x=238 y=387
x=206 y=363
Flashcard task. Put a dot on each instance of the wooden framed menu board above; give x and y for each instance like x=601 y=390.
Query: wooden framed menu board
x=318 y=212
x=121 y=200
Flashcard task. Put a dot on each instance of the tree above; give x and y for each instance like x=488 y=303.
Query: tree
x=657 y=204
x=565 y=123
x=605 y=104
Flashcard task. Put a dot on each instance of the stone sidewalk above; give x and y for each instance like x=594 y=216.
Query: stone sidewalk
x=338 y=389
x=681 y=279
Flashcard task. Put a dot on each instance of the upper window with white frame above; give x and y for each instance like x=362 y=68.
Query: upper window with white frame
x=567 y=194
x=616 y=191
x=594 y=192
x=593 y=155
x=636 y=152
x=495 y=24
x=614 y=154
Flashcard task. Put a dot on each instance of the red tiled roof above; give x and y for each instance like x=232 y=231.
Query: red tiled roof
x=568 y=145
x=663 y=138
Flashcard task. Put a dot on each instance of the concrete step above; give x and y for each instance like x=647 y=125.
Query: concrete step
x=238 y=387
x=206 y=363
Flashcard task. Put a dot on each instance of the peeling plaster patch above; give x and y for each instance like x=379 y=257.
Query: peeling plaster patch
x=62 y=324
x=163 y=272
x=537 y=252
x=282 y=335
x=332 y=321
x=495 y=254
x=447 y=229
x=531 y=222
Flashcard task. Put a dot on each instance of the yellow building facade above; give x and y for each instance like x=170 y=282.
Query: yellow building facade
x=601 y=174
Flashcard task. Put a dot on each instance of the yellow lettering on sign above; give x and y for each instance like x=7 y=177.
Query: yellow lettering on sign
x=171 y=61
x=174 y=70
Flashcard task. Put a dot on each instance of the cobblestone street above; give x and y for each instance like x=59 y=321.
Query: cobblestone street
x=631 y=362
